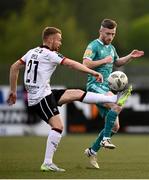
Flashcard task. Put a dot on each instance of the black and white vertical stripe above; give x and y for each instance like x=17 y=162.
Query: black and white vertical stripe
x=45 y=108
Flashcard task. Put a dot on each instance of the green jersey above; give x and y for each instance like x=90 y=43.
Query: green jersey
x=96 y=50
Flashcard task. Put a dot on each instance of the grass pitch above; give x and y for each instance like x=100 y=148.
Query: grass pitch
x=21 y=157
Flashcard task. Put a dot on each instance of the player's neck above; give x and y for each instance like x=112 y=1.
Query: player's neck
x=100 y=40
x=48 y=46
x=44 y=46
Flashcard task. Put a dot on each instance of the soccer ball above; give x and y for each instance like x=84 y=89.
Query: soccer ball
x=117 y=80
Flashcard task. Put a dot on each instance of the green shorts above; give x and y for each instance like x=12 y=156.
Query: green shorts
x=101 y=90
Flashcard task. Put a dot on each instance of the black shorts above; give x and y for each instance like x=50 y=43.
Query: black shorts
x=47 y=107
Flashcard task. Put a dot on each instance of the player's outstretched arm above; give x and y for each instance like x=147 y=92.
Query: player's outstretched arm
x=13 y=78
x=93 y=64
x=134 y=54
x=80 y=67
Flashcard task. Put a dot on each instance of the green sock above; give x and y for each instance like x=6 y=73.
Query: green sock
x=109 y=123
x=96 y=145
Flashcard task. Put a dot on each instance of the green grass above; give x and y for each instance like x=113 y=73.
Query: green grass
x=21 y=157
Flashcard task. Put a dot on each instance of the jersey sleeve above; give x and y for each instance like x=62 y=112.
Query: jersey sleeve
x=24 y=58
x=90 y=52
x=56 y=57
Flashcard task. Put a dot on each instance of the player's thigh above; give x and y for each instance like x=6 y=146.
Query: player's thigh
x=71 y=95
x=56 y=122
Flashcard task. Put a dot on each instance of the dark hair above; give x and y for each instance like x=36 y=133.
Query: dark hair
x=49 y=31
x=108 y=23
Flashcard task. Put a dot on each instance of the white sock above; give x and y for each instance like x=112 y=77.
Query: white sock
x=106 y=138
x=93 y=152
x=91 y=97
x=52 y=143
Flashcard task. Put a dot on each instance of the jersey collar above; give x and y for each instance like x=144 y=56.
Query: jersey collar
x=102 y=43
x=44 y=46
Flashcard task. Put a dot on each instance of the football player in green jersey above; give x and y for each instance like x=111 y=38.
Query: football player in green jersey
x=101 y=55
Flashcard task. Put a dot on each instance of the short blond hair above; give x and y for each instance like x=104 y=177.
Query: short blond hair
x=49 y=31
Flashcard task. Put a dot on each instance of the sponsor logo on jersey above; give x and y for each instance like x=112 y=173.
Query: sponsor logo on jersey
x=88 y=52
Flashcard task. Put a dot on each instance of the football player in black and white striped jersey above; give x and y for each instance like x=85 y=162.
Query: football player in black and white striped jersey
x=40 y=63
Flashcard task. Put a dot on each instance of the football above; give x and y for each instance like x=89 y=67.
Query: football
x=117 y=81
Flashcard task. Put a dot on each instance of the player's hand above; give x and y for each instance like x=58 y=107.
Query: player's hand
x=98 y=77
x=12 y=98
x=136 y=53
x=108 y=59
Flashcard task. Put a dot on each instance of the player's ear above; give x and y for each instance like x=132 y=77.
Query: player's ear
x=49 y=39
x=100 y=30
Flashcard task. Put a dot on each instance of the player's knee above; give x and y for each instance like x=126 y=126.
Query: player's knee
x=58 y=126
x=117 y=108
x=80 y=92
x=56 y=123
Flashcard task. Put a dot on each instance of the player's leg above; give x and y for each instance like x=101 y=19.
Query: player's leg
x=48 y=111
x=110 y=116
x=96 y=144
x=53 y=140
x=116 y=126
x=110 y=119
x=92 y=151
x=64 y=96
x=71 y=95
x=95 y=147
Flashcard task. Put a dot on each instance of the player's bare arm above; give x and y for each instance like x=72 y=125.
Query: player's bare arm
x=78 y=66
x=126 y=59
x=92 y=64
x=13 y=78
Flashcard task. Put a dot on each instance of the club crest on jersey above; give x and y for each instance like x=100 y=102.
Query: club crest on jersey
x=88 y=52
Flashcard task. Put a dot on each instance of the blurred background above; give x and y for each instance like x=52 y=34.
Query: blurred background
x=21 y=23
